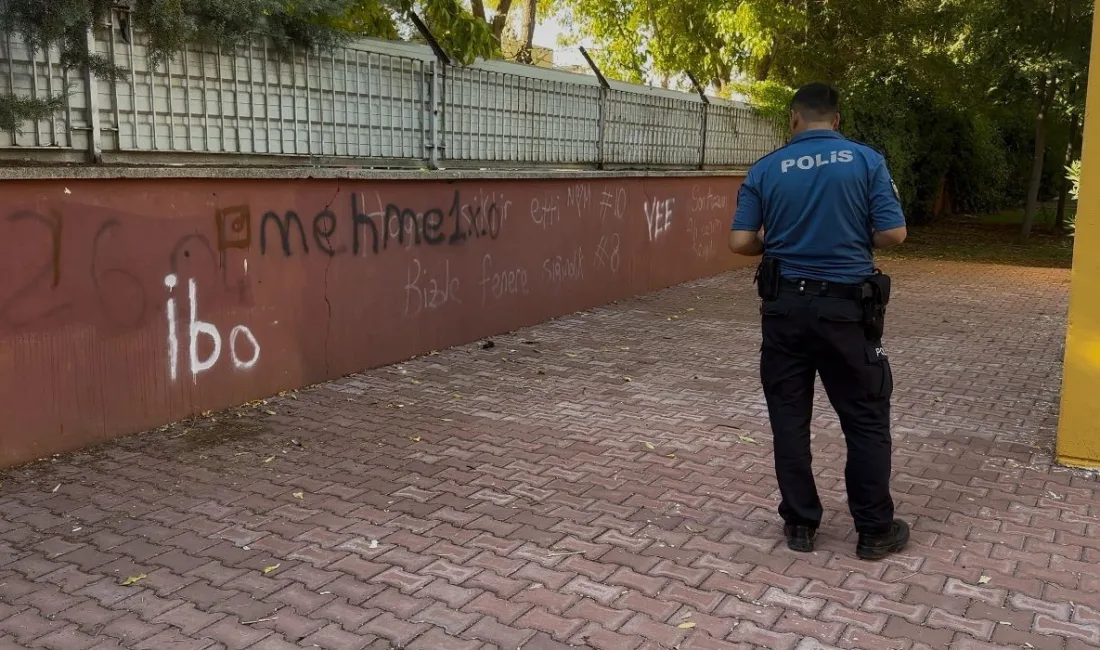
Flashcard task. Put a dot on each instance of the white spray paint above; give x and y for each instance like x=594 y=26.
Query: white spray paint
x=658 y=214
x=607 y=253
x=500 y=283
x=237 y=362
x=613 y=202
x=425 y=290
x=170 y=281
x=201 y=327
x=197 y=328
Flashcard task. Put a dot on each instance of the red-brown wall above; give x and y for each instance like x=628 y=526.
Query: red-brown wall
x=106 y=283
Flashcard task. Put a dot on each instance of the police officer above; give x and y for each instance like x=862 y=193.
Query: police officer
x=815 y=209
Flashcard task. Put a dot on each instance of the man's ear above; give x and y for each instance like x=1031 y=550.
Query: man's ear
x=836 y=121
x=795 y=117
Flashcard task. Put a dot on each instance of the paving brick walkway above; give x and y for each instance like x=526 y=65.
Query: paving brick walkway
x=602 y=481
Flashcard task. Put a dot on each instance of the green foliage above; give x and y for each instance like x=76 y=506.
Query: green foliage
x=292 y=26
x=461 y=35
x=948 y=90
x=770 y=98
x=982 y=172
x=15 y=111
x=1073 y=173
x=43 y=23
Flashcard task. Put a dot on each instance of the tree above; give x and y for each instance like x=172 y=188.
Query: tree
x=945 y=88
x=527 y=32
x=1035 y=54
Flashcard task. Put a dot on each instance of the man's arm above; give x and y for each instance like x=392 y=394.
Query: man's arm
x=747 y=242
x=887 y=219
x=747 y=233
x=888 y=238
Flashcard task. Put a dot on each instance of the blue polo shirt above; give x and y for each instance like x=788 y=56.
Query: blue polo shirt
x=819 y=199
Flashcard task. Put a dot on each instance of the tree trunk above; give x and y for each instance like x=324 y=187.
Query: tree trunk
x=1037 y=158
x=530 y=18
x=478 y=7
x=500 y=18
x=1063 y=194
x=763 y=67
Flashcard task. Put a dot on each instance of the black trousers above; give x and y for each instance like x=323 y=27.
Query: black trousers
x=805 y=335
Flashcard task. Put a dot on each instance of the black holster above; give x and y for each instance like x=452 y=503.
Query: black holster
x=876 y=295
x=767 y=278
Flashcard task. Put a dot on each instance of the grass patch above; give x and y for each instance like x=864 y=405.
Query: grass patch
x=991 y=239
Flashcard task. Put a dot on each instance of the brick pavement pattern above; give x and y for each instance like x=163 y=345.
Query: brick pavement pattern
x=602 y=481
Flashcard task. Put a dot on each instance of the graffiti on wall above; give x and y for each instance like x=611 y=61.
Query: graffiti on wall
x=181 y=296
x=205 y=276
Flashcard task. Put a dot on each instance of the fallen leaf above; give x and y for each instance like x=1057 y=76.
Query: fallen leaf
x=447 y=420
x=134 y=579
x=686 y=625
x=271 y=569
x=56 y=488
x=648 y=445
x=747 y=440
x=269 y=459
x=269 y=411
x=627 y=379
x=373 y=544
x=299 y=495
x=414 y=438
x=672 y=456
x=456 y=395
x=984 y=580
x=416 y=382
x=570 y=355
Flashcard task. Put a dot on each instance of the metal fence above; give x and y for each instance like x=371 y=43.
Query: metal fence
x=372 y=104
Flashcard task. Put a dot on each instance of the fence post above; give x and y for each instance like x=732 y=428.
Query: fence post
x=438 y=69
x=91 y=92
x=706 y=113
x=601 y=124
x=601 y=128
x=435 y=113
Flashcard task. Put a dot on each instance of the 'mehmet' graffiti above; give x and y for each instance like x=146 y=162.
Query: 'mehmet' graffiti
x=388 y=227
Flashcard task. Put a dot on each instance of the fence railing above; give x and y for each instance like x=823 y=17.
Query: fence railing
x=372 y=104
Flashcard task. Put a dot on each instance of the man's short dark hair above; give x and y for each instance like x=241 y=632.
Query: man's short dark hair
x=816 y=102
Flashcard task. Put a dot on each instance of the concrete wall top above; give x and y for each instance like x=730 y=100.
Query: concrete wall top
x=256 y=173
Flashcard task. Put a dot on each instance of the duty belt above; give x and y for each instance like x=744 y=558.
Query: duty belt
x=819 y=288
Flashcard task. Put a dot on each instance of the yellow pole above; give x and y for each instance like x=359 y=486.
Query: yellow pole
x=1079 y=424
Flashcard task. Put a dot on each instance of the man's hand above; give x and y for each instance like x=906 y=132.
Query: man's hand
x=747 y=242
x=889 y=238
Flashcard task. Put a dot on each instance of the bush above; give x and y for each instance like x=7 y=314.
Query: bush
x=1073 y=173
x=981 y=173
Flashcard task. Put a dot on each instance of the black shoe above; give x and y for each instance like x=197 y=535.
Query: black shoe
x=876 y=547
x=800 y=538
